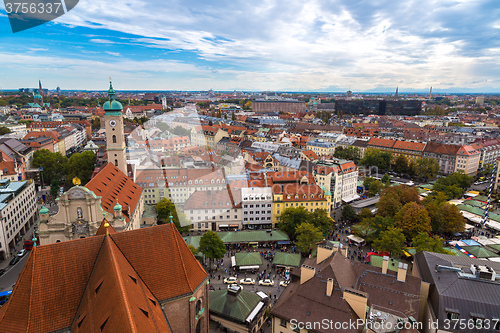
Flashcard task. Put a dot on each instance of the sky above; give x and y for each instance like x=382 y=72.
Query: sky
x=287 y=45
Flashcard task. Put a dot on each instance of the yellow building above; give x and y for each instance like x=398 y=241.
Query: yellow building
x=309 y=196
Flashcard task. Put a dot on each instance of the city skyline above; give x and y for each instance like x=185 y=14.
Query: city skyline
x=292 y=46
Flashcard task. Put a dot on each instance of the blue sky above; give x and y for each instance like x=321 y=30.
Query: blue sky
x=260 y=45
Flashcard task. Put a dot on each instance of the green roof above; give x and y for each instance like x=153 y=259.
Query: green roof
x=253 y=236
x=237 y=307
x=479 y=251
x=193 y=240
x=248 y=258
x=473 y=203
x=377 y=262
x=287 y=259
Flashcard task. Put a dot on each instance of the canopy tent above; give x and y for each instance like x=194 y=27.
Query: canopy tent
x=356 y=239
x=248 y=259
x=480 y=252
x=286 y=259
x=351 y=198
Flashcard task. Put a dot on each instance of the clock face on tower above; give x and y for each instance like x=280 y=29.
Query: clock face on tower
x=112 y=123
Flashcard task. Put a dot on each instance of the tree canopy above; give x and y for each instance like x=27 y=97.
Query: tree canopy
x=412 y=219
x=292 y=217
x=81 y=166
x=54 y=165
x=392 y=240
x=212 y=246
x=165 y=208
x=307 y=235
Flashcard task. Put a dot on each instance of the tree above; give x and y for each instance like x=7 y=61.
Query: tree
x=391 y=240
x=193 y=250
x=453 y=185
x=385 y=179
x=375 y=188
x=412 y=219
x=4 y=130
x=424 y=242
x=165 y=208
x=212 y=246
x=400 y=165
x=320 y=219
x=427 y=167
x=307 y=235
x=53 y=164
x=452 y=220
x=348 y=213
x=81 y=166
x=291 y=218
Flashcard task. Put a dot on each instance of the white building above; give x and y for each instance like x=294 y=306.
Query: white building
x=257 y=203
x=17 y=213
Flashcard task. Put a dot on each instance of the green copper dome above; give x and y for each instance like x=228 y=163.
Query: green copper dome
x=44 y=210
x=117 y=207
x=111 y=104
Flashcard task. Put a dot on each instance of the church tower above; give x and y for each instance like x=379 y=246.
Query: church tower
x=115 y=138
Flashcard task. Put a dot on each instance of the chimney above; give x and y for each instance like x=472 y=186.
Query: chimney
x=385 y=264
x=323 y=253
x=402 y=272
x=306 y=273
x=329 y=287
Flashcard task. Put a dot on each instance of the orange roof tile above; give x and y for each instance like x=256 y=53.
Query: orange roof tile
x=112 y=184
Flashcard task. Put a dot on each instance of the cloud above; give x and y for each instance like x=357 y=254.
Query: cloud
x=305 y=45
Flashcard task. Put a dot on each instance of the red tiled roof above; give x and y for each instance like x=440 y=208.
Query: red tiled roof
x=112 y=184
x=157 y=257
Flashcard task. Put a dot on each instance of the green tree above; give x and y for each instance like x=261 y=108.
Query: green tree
x=291 y=218
x=81 y=166
x=4 y=130
x=375 y=188
x=212 y=246
x=320 y=219
x=424 y=242
x=193 y=250
x=385 y=178
x=400 y=165
x=165 y=208
x=452 y=220
x=453 y=185
x=391 y=240
x=412 y=219
x=307 y=235
x=348 y=213
x=427 y=167
x=53 y=164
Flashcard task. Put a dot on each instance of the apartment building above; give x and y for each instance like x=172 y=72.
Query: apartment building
x=213 y=210
x=339 y=177
x=452 y=158
x=321 y=147
x=17 y=212
x=257 y=203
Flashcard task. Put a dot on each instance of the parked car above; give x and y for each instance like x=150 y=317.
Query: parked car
x=266 y=282
x=231 y=280
x=284 y=283
x=15 y=260
x=247 y=281
x=22 y=253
